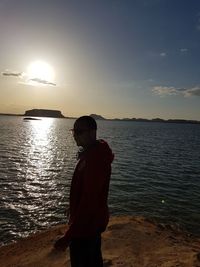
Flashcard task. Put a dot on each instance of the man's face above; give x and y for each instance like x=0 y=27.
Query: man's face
x=81 y=134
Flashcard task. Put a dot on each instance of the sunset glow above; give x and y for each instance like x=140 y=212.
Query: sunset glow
x=41 y=70
x=118 y=59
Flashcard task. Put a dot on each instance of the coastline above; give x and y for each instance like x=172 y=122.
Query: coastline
x=128 y=241
x=99 y=117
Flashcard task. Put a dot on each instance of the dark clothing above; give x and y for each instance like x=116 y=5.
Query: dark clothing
x=89 y=213
x=86 y=252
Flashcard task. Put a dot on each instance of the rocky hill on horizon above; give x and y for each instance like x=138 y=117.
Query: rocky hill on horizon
x=44 y=113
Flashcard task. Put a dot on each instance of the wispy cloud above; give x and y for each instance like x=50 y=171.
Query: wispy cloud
x=167 y=91
x=192 y=92
x=163 y=54
x=12 y=73
x=183 y=50
x=38 y=80
x=24 y=79
x=164 y=90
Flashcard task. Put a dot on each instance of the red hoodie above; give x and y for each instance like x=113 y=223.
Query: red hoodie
x=89 y=213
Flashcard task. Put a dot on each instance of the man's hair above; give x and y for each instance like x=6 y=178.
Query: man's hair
x=88 y=121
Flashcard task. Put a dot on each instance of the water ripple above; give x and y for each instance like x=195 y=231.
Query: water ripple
x=155 y=172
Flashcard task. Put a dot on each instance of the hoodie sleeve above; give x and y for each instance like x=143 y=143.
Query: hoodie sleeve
x=93 y=199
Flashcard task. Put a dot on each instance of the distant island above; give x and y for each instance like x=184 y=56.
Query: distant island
x=44 y=113
x=97 y=117
x=58 y=114
x=159 y=120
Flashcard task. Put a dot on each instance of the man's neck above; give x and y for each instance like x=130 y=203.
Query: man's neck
x=89 y=144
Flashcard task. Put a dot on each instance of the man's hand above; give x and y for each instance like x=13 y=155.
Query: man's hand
x=61 y=244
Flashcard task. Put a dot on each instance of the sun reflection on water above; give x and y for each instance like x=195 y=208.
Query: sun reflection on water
x=40 y=154
x=41 y=151
x=40 y=132
x=38 y=158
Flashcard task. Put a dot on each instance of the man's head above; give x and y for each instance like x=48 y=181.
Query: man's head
x=84 y=131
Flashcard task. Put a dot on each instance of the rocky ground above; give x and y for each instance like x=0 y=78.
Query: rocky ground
x=128 y=241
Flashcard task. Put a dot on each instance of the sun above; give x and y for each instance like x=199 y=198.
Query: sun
x=41 y=70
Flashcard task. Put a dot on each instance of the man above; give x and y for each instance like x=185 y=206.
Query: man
x=88 y=197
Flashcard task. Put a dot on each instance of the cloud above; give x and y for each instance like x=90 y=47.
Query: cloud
x=166 y=91
x=163 y=54
x=24 y=79
x=38 y=80
x=183 y=50
x=12 y=73
x=193 y=91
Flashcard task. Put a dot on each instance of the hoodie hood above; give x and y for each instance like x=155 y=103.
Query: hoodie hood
x=105 y=151
x=101 y=148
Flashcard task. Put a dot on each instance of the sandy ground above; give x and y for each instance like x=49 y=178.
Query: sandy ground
x=128 y=241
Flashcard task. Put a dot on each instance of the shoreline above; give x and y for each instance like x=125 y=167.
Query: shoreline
x=128 y=241
x=154 y=120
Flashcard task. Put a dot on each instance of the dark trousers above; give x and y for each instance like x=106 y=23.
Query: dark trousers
x=86 y=252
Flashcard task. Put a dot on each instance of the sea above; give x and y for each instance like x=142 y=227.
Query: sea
x=155 y=173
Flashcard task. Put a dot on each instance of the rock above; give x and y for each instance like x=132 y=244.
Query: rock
x=44 y=113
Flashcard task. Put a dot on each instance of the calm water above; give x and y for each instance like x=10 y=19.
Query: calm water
x=156 y=172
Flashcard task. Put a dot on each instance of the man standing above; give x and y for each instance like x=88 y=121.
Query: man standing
x=89 y=213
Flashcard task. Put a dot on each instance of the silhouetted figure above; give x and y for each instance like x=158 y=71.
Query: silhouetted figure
x=89 y=213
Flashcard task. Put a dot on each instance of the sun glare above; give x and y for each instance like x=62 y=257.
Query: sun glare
x=41 y=70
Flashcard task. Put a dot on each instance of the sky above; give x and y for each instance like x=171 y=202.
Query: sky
x=116 y=58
